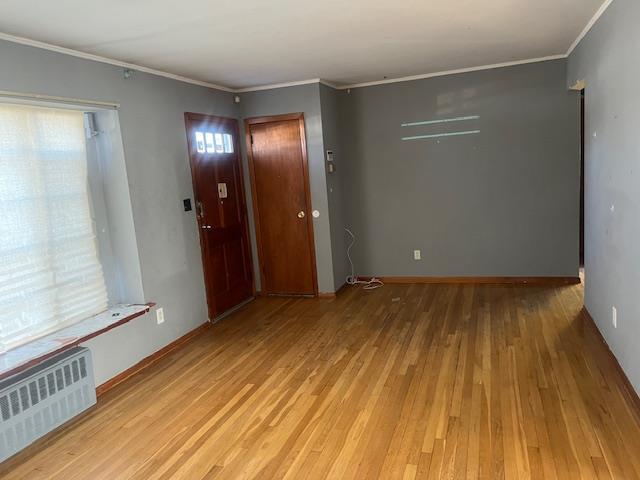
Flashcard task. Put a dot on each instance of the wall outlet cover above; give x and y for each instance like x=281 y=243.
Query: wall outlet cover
x=417 y=255
x=159 y=316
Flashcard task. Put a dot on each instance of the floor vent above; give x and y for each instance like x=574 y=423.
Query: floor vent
x=39 y=400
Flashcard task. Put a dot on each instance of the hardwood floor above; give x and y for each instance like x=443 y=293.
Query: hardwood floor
x=420 y=381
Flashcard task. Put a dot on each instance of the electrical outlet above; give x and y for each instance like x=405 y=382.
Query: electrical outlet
x=614 y=317
x=159 y=316
x=417 y=255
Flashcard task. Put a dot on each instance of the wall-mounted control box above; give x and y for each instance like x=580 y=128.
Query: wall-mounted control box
x=331 y=166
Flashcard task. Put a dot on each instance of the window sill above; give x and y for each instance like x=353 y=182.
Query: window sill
x=32 y=353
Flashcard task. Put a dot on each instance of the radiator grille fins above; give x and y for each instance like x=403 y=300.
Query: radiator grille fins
x=40 y=388
x=44 y=398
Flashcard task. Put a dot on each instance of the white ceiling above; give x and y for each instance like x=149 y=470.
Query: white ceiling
x=256 y=42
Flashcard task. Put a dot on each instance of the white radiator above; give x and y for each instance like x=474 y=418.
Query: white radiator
x=40 y=399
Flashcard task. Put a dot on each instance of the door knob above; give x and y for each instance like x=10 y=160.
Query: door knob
x=301 y=214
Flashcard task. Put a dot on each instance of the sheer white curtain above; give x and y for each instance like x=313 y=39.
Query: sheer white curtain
x=50 y=273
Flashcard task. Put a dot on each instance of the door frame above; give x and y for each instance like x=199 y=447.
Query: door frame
x=582 y=173
x=248 y=123
x=195 y=117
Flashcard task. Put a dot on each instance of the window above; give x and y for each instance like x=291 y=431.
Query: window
x=219 y=146
x=200 y=142
x=210 y=147
x=228 y=143
x=215 y=142
x=50 y=272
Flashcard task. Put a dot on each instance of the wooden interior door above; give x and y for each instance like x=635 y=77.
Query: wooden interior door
x=221 y=210
x=282 y=204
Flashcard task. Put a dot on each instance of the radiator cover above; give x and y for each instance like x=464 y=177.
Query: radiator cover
x=40 y=399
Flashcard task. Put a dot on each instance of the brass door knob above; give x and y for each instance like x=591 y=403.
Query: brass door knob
x=300 y=214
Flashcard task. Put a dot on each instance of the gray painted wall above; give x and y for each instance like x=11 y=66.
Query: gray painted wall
x=151 y=118
x=305 y=99
x=336 y=188
x=504 y=202
x=153 y=134
x=607 y=58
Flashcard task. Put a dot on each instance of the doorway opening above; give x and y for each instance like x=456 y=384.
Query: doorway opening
x=582 y=148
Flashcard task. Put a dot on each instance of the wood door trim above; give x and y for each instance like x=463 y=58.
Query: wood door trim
x=248 y=123
x=190 y=117
x=275 y=118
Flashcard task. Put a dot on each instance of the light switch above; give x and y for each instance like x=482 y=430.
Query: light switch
x=222 y=190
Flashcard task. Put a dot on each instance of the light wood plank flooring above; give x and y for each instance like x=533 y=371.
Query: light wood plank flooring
x=420 y=381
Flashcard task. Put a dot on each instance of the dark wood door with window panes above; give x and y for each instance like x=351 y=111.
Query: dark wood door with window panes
x=220 y=210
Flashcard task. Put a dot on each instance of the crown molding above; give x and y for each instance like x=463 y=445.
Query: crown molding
x=452 y=72
x=284 y=85
x=584 y=32
x=180 y=78
x=589 y=25
x=110 y=61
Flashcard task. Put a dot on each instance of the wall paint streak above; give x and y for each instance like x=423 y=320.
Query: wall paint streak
x=440 y=135
x=444 y=120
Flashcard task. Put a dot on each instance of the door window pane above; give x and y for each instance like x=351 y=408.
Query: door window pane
x=200 y=142
x=219 y=145
x=228 y=143
x=210 y=146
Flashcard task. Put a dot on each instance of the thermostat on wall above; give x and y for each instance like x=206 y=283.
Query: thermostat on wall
x=331 y=167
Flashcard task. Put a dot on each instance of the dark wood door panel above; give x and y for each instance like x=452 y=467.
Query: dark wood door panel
x=231 y=213
x=235 y=263
x=216 y=263
x=221 y=215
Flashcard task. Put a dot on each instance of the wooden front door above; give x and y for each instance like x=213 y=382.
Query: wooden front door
x=282 y=204
x=221 y=210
